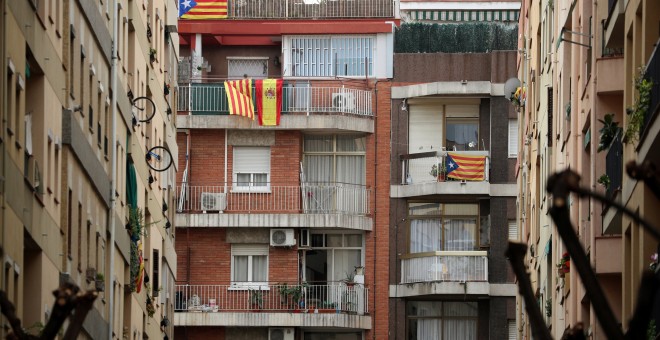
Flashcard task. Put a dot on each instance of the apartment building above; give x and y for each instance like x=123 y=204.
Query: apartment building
x=578 y=64
x=453 y=190
x=76 y=162
x=283 y=229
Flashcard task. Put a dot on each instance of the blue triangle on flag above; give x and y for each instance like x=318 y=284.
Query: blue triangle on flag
x=450 y=164
x=185 y=6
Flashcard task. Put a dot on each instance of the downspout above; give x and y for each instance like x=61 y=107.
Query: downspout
x=373 y=320
x=226 y=131
x=113 y=178
x=3 y=108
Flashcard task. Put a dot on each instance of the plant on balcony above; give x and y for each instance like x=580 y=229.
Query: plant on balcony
x=604 y=180
x=438 y=174
x=349 y=280
x=152 y=55
x=99 y=282
x=256 y=299
x=518 y=97
x=291 y=296
x=651 y=331
x=608 y=132
x=564 y=265
x=548 y=307
x=637 y=112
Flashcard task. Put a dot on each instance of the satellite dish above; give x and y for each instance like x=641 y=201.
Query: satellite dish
x=510 y=87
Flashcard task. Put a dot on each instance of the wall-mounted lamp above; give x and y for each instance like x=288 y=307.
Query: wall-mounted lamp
x=404 y=104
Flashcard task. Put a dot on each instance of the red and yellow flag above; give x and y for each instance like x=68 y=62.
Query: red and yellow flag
x=239 y=97
x=464 y=167
x=269 y=101
x=140 y=276
x=203 y=9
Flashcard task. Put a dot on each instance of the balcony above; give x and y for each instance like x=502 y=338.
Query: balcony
x=309 y=205
x=653 y=73
x=330 y=305
x=309 y=9
x=420 y=177
x=612 y=218
x=306 y=107
x=448 y=266
x=614 y=24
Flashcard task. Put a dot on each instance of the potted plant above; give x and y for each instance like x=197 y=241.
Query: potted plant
x=100 y=282
x=152 y=55
x=564 y=265
x=604 y=180
x=440 y=175
x=349 y=280
x=256 y=299
x=637 y=112
x=608 y=132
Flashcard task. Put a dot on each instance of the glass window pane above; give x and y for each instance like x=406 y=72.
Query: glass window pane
x=260 y=180
x=424 y=209
x=316 y=143
x=345 y=262
x=240 y=268
x=425 y=235
x=333 y=240
x=259 y=268
x=243 y=180
x=424 y=308
x=317 y=240
x=460 y=309
x=318 y=169
x=348 y=143
x=351 y=170
x=461 y=209
x=460 y=234
x=462 y=135
x=353 y=240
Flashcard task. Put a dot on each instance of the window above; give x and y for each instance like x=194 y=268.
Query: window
x=443 y=227
x=513 y=230
x=252 y=67
x=155 y=259
x=324 y=56
x=513 y=138
x=333 y=257
x=251 y=168
x=249 y=265
x=440 y=320
x=513 y=330
x=462 y=134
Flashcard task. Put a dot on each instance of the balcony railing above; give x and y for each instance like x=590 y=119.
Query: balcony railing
x=335 y=297
x=614 y=168
x=211 y=99
x=309 y=198
x=309 y=9
x=653 y=73
x=427 y=167
x=457 y=266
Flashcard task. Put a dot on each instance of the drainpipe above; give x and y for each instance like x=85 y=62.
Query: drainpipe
x=226 y=131
x=3 y=108
x=113 y=178
x=373 y=320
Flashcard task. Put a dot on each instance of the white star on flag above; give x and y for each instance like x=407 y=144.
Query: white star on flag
x=451 y=165
x=186 y=3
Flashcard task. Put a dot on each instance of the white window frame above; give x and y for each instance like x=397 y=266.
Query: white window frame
x=249 y=250
x=250 y=169
x=513 y=138
x=322 y=63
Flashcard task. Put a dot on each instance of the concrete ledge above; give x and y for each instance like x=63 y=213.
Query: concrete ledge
x=454 y=188
x=336 y=122
x=471 y=88
x=274 y=221
x=272 y=320
x=453 y=288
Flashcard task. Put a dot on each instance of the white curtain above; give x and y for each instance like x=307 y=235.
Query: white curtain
x=429 y=329
x=460 y=234
x=425 y=235
x=259 y=268
x=345 y=261
x=240 y=268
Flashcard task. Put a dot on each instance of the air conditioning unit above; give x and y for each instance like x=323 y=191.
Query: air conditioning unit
x=213 y=201
x=282 y=238
x=281 y=333
x=304 y=239
x=343 y=101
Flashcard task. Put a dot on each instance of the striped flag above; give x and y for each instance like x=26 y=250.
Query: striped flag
x=269 y=101
x=140 y=276
x=239 y=97
x=203 y=9
x=464 y=167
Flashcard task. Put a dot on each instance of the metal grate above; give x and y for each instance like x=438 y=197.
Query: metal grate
x=248 y=67
x=321 y=56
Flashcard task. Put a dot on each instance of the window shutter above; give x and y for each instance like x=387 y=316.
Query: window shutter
x=513 y=231
x=251 y=159
x=512 y=330
x=249 y=249
x=513 y=138
x=425 y=128
x=550 y=115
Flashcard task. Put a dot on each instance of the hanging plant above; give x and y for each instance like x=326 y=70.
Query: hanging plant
x=152 y=54
x=608 y=132
x=637 y=112
x=604 y=180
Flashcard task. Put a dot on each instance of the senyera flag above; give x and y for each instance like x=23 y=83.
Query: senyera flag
x=465 y=167
x=203 y=9
x=269 y=101
x=139 y=279
x=239 y=97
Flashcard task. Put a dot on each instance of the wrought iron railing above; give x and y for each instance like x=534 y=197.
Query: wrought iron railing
x=429 y=167
x=460 y=266
x=334 y=297
x=309 y=9
x=211 y=99
x=614 y=168
x=309 y=198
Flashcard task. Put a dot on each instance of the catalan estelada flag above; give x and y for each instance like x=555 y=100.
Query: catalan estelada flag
x=464 y=167
x=239 y=97
x=203 y=9
x=269 y=101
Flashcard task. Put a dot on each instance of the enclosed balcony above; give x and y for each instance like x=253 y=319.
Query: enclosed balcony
x=309 y=9
x=303 y=107
x=443 y=173
x=309 y=205
x=456 y=266
x=335 y=304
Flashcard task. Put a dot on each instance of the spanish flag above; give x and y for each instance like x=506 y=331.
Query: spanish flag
x=239 y=97
x=464 y=167
x=269 y=101
x=203 y=9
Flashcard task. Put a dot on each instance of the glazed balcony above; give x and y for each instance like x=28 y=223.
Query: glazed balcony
x=273 y=305
x=448 y=266
x=306 y=107
x=309 y=9
x=420 y=177
x=308 y=205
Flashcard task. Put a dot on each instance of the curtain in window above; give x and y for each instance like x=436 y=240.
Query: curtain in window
x=459 y=320
x=460 y=234
x=345 y=261
x=240 y=268
x=429 y=329
x=259 y=268
x=425 y=235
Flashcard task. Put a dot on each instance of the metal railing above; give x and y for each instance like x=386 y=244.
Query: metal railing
x=336 y=297
x=614 y=168
x=457 y=266
x=429 y=167
x=211 y=99
x=653 y=73
x=309 y=198
x=309 y=9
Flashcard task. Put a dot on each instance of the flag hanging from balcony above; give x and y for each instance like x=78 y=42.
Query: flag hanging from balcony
x=465 y=167
x=269 y=101
x=239 y=97
x=203 y=9
x=140 y=275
